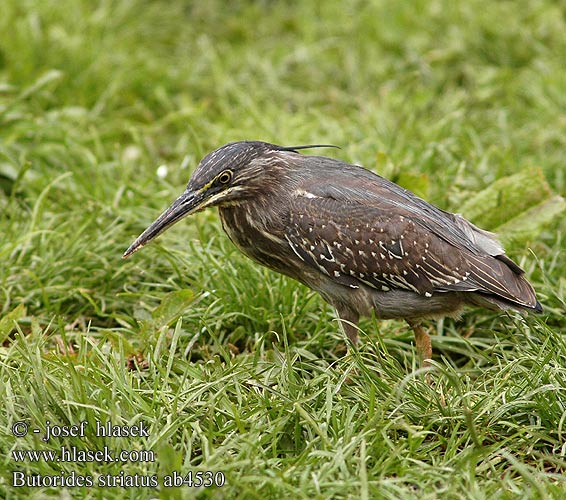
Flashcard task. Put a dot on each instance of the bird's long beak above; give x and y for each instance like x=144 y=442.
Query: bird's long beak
x=186 y=204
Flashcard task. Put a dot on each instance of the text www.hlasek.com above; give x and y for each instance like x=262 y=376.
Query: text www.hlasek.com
x=74 y=454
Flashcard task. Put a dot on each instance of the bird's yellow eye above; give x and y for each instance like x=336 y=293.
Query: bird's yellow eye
x=225 y=177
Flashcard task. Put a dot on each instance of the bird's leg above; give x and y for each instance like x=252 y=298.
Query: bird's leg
x=352 y=332
x=349 y=324
x=423 y=343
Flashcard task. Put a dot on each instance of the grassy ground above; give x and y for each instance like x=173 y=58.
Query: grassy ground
x=231 y=368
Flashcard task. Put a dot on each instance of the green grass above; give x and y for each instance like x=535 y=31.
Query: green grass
x=231 y=367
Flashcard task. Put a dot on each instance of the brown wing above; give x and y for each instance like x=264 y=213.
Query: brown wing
x=353 y=243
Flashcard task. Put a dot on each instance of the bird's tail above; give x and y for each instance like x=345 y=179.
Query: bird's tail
x=502 y=283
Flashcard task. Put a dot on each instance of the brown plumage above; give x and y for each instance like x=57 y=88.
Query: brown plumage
x=364 y=243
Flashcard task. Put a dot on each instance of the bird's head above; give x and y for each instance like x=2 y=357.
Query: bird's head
x=231 y=173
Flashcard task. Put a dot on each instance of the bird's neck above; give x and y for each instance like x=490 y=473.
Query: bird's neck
x=257 y=229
